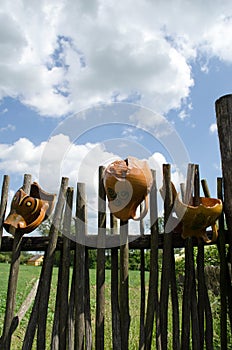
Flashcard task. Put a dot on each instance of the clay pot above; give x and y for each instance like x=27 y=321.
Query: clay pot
x=127 y=184
x=28 y=211
x=194 y=220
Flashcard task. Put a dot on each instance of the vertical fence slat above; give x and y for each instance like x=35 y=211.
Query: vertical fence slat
x=200 y=266
x=223 y=272
x=142 y=292
x=194 y=305
x=207 y=307
x=224 y=123
x=175 y=306
x=3 y=203
x=71 y=311
x=88 y=327
x=13 y=279
x=63 y=309
x=189 y=267
x=100 y=288
x=116 y=334
x=124 y=285
x=60 y=317
x=56 y=320
x=46 y=276
x=166 y=262
x=80 y=228
x=153 y=298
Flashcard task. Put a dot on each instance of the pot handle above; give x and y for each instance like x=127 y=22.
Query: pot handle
x=144 y=211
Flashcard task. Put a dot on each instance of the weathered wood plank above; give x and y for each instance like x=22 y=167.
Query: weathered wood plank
x=80 y=227
x=5 y=342
x=58 y=340
x=223 y=108
x=166 y=261
x=153 y=298
x=116 y=332
x=142 y=292
x=124 y=286
x=100 y=272
x=224 y=123
x=3 y=203
x=37 y=243
x=46 y=274
x=189 y=267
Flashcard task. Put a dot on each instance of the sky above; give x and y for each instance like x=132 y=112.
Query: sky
x=86 y=82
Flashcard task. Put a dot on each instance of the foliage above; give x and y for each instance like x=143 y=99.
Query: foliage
x=6 y=257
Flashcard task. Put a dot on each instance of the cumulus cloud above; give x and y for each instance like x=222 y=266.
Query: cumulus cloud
x=57 y=157
x=213 y=128
x=58 y=57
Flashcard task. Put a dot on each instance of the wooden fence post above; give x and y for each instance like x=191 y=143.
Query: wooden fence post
x=224 y=122
x=167 y=261
x=13 y=279
x=204 y=292
x=114 y=291
x=124 y=285
x=100 y=278
x=153 y=298
x=80 y=228
x=189 y=306
x=38 y=315
x=3 y=203
x=46 y=276
x=58 y=340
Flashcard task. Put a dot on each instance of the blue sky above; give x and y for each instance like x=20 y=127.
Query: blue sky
x=123 y=74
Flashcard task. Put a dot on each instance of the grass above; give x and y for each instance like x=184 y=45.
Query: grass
x=29 y=274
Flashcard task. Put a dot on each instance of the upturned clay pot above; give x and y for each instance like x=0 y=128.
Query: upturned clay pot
x=127 y=184
x=28 y=211
x=194 y=220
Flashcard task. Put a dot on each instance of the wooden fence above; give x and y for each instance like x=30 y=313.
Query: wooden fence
x=166 y=320
x=192 y=327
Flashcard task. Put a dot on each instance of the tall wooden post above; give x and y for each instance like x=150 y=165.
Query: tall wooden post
x=224 y=123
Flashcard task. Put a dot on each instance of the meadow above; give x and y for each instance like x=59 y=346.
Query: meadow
x=28 y=276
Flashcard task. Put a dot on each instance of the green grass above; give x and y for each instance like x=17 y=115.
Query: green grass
x=28 y=276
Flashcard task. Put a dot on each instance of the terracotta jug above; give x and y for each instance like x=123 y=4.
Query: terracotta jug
x=127 y=184
x=196 y=219
x=28 y=211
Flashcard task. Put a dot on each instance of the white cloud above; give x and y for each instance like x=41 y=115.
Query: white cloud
x=49 y=161
x=58 y=57
x=8 y=127
x=213 y=128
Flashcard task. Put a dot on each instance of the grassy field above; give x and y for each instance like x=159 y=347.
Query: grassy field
x=28 y=276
